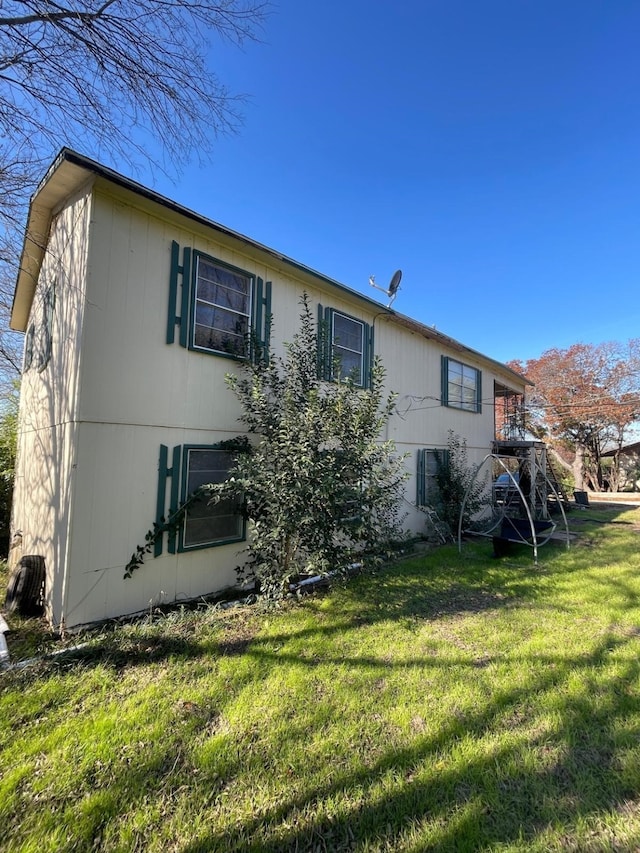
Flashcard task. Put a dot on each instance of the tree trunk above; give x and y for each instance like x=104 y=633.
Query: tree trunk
x=557 y=458
x=614 y=473
x=578 y=468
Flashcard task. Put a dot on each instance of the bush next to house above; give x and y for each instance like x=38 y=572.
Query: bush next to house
x=455 y=478
x=320 y=488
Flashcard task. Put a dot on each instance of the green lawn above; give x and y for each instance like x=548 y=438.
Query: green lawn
x=449 y=703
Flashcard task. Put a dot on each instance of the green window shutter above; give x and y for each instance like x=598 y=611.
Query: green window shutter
x=161 y=496
x=256 y=343
x=258 y=305
x=325 y=359
x=261 y=320
x=367 y=359
x=165 y=473
x=266 y=337
x=444 y=389
x=421 y=478
x=28 y=347
x=328 y=354
x=172 y=320
x=320 y=331
x=479 y=390
x=182 y=271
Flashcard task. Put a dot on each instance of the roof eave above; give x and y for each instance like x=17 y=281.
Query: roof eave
x=56 y=185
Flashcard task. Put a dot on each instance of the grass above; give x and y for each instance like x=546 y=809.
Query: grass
x=449 y=703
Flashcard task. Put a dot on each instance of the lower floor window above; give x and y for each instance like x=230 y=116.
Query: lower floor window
x=208 y=523
x=429 y=464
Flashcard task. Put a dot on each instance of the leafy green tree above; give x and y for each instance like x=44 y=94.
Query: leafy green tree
x=320 y=488
x=8 y=441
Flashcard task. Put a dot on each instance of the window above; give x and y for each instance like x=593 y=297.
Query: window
x=428 y=461
x=349 y=487
x=206 y=524
x=345 y=347
x=203 y=524
x=347 y=338
x=223 y=310
x=461 y=385
x=46 y=339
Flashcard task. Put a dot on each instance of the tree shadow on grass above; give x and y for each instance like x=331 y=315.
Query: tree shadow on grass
x=420 y=794
x=493 y=798
x=405 y=792
x=408 y=593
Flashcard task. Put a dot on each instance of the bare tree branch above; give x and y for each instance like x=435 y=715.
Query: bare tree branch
x=89 y=74
x=54 y=16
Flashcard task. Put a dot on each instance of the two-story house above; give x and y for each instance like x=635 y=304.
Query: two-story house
x=134 y=309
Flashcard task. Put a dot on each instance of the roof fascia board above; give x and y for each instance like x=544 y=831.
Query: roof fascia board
x=234 y=237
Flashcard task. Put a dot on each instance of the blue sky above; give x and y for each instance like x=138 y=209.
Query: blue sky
x=488 y=148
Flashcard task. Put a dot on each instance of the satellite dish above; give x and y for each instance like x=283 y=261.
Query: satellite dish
x=394 y=286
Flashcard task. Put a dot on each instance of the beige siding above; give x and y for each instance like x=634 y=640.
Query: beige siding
x=138 y=393
x=44 y=493
x=117 y=475
x=129 y=373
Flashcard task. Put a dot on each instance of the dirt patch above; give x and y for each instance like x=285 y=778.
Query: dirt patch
x=238 y=631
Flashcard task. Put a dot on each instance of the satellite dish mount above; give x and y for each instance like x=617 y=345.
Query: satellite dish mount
x=392 y=290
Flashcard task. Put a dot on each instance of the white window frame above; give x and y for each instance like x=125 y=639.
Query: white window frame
x=242 y=351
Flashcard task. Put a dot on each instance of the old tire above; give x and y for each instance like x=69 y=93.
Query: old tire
x=25 y=590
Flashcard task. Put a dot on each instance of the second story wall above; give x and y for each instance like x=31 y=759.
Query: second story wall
x=141 y=283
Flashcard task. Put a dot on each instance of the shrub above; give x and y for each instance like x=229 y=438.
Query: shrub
x=454 y=479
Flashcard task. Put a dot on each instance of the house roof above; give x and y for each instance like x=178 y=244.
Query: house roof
x=628 y=450
x=70 y=171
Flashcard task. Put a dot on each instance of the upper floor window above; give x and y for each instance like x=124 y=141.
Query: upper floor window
x=461 y=385
x=345 y=347
x=218 y=308
x=348 y=342
x=222 y=308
